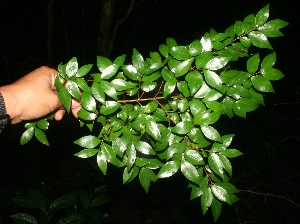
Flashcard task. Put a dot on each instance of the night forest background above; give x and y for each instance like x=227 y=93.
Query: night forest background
x=269 y=137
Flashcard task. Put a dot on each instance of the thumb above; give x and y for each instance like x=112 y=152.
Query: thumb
x=58 y=115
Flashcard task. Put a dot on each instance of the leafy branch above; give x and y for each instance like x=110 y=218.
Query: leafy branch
x=157 y=114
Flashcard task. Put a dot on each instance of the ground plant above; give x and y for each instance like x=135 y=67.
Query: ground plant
x=156 y=116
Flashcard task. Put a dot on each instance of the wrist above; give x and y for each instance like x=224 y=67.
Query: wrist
x=8 y=102
x=4 y=117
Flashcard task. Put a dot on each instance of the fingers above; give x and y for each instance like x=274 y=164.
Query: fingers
x=58 y=115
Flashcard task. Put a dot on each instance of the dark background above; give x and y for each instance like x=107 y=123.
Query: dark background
x=269 y=137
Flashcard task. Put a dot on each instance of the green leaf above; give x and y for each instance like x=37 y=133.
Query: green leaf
x=180 y=52
x=183 y=88
x=82 y=84
x=146 y=176
x=183 y=67
x=73 y=89
x=273 y=74
x=220 y=193
x=109 y=71
x=258 y=39
x=268 y=62
x=168 y=169
x=271 y=28
x=120 y=84
x=213 y=80
x=164 y=50
x=144 y=148
x=189 y=171
x=203 y=58
x=72 y=67
x=195 y=48
x=109 y=89
x=239 y=28
x=23 y=218
x=206 y=199
x=217 y=63
x=169 y=88
x=86 y=115
x=226 y=164
x=88 y=141
x=109 y=107
x=131 y=154
x=183 y=127
x=98 y=92
x=147 y=87
x=27 y=136
x=41 y=137
x=88 y=102
x=216 y=164
x=153 y=129
x=231 y=153
x=65 y=98
x=64 y=201
x=151 y=107
x=119 y=61
x=211 y=133
x=253 y=63
x=194 y=80
x=262 y=84
x=206 y=43
x=101 y=161
x=86 y=153
x=171 y=42
x=175 y=148
x=84 y=70
x=131 y=72
x=262 y=16
x=216 y=208
x=103 y=63
x=137 y=60
x=247 y=105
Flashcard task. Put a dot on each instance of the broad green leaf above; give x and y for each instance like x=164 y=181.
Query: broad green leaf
x=65 y=98
x=203 y=58
x=131 y=154
x=195 y=48
x=103 y=63
x=72 y=67
x=230 y=188
x=101 y=161
x=183 y=67
x=146 y=176
x=196 y=192
x=64 y=201
x=98 y=92
x=247 y=105
x=41 y=136
x=131 y=72
x=168 y=75
x=197 y=107
x=183 y=105
x=253 y=63
x=73 y=89
x=152 y=129
x=260 y=40
x=196 y=136
x=164 y=50
x=216 y=164
x=226 y=164
x=213 y=80
x=88 y=102
x=271 y=28
x=211 y=133
x=231 y=153
x=206 y=42
x=168 y=169
x=27 y=136
x=88 y=141
x=137 y=60
x=152 y=77
x=109 y=89
x=86 y=115
x=144 y=148
x=82 y=84
x=109 y=153
x=217 y=63
x=86 y=153
x=268 y=62
x=206 y=199
x=183 y=88
x=171 y=42
x=156 y=57
x=183 y=127
x=189 y=171
x=180 y=52
x=194 y=157
x=262 y=16
x=239 y=28
x=262 y=84
x=227 y=104
x=24 y=218
x=109 y=107
x=148 y=86
x=220 y=193
x=169 y=88
x=216 y=208
x=194 y=80
x=84 y=70
x=121 y=84
x=150 y=107
x=175 y=148
x=119 y=61
x=273 y=74
x=109 y=72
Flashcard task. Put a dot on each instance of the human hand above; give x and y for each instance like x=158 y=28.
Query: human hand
x=33 y=96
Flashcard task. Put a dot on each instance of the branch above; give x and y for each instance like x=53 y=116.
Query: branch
x=271 y=195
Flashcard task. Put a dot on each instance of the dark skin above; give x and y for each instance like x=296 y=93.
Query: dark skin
x=33 y=96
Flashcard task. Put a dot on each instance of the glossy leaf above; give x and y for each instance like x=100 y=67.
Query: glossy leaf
x=24 y=218
x=193 y=157
x=101 y=161
x=189 y=171
x=98 y=92
x=144 y=148
x=86 y=153
x=88 y=141
x=169 y=88
x=216 y=208
x=73 y=89
x=216 y=63
x=213 y=80
x=268 y=62
x=183 y=67
x=65 y=98
x=72 y=67
x=109 y=71
x=231 y=153
x=86 y=115
x=27 y=136
x=262 y=16
x=195 y=48
x=211 y=133
x=260 y=40
x=88 y=102
x=41 y=136
x=109 y=107
x=109 y=89
x=273 y=74
x=253 y=63
x=103 y=63
x=137 y=60
x=168 y=169
x=82 y=71
x=146 y=176
x=220 y=193
x=183 y=127
x=206 y=199
x=262 y=84
x=194 y=80
x=180 y=52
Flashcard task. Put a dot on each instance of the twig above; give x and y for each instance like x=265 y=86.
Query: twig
x=271 y=195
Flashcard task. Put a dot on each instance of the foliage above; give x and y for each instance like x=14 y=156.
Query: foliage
x=79 y=206
x=158 y=115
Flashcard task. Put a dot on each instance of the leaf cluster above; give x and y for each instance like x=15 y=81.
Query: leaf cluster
x=158 y=114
